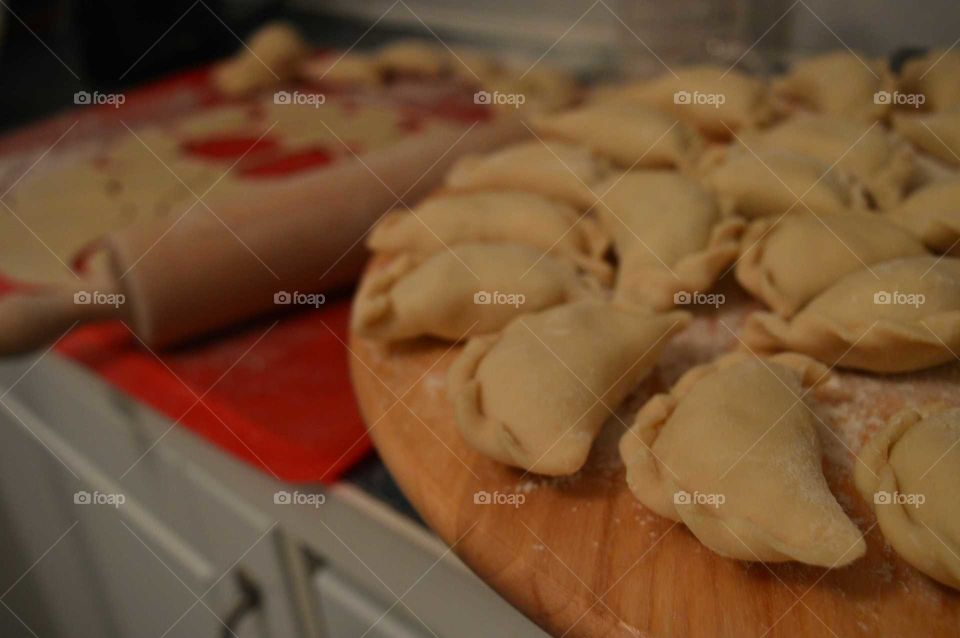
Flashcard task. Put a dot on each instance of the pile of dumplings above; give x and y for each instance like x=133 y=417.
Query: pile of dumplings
x=831 y=194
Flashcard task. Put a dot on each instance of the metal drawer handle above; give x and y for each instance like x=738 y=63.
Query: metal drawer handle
x=249 y=601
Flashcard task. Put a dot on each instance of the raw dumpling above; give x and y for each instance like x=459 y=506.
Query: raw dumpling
x=733 y=452
x=467 y=290
x=561 y=171
x=880 y=161
x=536 y=395
x=840 y=83
x=774 y=183
x=933 y=214
x=669 y=237
x=934 y=76
x=632 y=135
x=712 y=99
x=273 y=56
x=937 y=134
x=775 y=265
x=909 y=472
x=896 y=316
x=464 y=218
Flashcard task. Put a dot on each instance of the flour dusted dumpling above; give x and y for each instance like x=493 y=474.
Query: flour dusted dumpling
x=632 y=135
x=933 y=214
x=467 y=290
x=510 y=216
x=774 y=183
x=896 y=316
x=776 y=266
x=733 y=452
x=561 y=171
x=937 y=134
x=668 y=234
x=536 y=395
x=883 y=163
x=934 y=76
x=841 y=83
x=712 y=99
x=909 y=472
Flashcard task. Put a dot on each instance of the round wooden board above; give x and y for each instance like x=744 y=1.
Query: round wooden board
x=581 y=557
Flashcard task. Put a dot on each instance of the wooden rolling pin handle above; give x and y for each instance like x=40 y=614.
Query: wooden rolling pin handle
x=36 y=318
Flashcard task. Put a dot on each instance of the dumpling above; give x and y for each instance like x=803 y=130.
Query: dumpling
x=712 y=99
x=536 y=395
x=542 y=87
x=934 y=76
x=632 y=135
x=937 y=134
x=775 y=265
x=733 y=452
x=883 y=163
x=933 y=214
x=413 y=57
x=840 y=83
x=896 y=316
x=273 y=56
x=491 y=217
x=468 y=290
x=669 y=237
x=909 y=472
x=774 y=183
x=554 y=169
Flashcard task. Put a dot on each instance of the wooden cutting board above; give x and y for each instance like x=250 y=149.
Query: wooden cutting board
x=581 y=557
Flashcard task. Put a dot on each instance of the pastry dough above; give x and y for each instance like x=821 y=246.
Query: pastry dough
x=841 y=83
x=711 y=99
x=536 y=395
x=909 y=471
x=775 y=264
x=733 y=452
x=630 y=135
x=555 y=169
x=522 y=218
x=933 y=214
x=935 y=77
x=883 y=163
x=898 y=316
x=937 y=134
x=272 y=56
x=668 y=234
x=771 y=184
x=467 y=290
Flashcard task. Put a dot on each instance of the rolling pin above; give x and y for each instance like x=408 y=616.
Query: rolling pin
x=299 y=234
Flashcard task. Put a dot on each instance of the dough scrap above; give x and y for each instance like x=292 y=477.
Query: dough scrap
x=935 y=77
x=536 y=395
x=898 y=316
x=775 y=264
x=936 y=133
x=668 y=234
x=882 y=162
x=909 y=471
x=630 y=135
x=933 y=214
x=468 y=290
x=733 y=452
x=840 y=83
x=562 y=171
